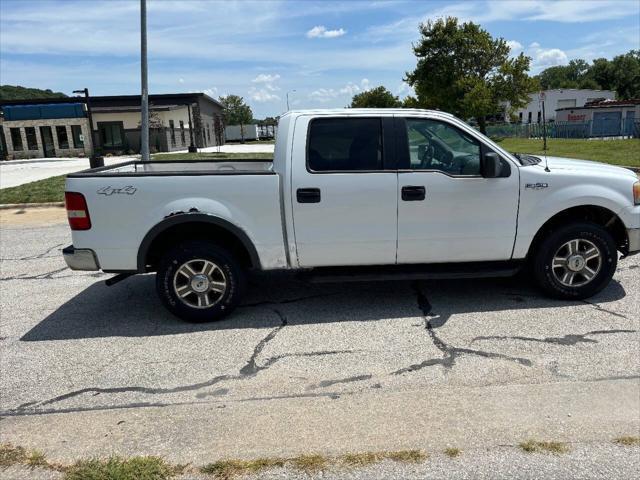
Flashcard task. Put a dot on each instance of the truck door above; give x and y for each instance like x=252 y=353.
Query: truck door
x=448 y=212
x=344 y=191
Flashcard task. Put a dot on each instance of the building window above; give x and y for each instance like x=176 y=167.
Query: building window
x=172 y=131
x=208 y=133
x=63 y=139
x=520 y=117
x=16 y=138
x=111 y=134
x=76 y=133
x=539 y=116
x=530 y=114
x=182 y=137
x=32 y=140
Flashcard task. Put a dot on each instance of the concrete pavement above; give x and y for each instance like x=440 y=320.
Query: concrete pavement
x=90 y=370
x=19 y=172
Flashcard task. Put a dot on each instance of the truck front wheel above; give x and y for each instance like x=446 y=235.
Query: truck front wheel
x=200 y=281
x=575 y=261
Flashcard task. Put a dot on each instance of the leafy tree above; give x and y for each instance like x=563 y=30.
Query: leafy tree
x=378 y=97
x=10 y=92
x=621 y=74
x=625 y=72
x=236 y=112
x=462 y=69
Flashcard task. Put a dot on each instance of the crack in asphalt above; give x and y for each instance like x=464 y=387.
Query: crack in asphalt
x=41 y=276
x=329 y=383
x=288 y=300
x=451 y=353
x=602 y=309
x=569 y=339
x=36 y=256
x=251 y=369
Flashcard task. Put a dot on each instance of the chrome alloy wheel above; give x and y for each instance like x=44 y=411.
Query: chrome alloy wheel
x=576 y=262
x=199 y=283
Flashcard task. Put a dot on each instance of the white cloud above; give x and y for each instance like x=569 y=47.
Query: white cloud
x=262 y=95
x=404 y=89
x=320 y=31
x=324 y=95
x=514 y=45
x=266 y=78
x=542 y=58
x=212 y=92
x=181 y=80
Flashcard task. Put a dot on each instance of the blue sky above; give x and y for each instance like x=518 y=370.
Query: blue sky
x=326 y=51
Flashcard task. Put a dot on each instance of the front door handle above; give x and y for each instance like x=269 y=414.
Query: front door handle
x=308 y=195
x=413 y=193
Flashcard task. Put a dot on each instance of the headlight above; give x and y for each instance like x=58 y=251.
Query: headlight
x=636 y=193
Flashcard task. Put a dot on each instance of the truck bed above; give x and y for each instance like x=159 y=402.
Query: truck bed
x=182 y=167
x=126 y=201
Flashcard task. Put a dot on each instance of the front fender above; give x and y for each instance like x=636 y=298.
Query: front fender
x=538 y=206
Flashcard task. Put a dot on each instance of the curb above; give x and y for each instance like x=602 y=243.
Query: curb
x=22 y=206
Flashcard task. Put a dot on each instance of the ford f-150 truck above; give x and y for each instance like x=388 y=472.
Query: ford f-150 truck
x=355 y=193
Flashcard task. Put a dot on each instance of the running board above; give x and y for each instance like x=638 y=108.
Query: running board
x=439 y=271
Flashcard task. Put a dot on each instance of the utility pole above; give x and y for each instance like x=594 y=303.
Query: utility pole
x=144 y=108
x=95 y=160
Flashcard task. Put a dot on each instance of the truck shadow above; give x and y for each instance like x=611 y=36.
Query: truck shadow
x=132 y=309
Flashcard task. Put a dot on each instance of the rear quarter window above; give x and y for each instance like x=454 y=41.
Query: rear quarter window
x=344 y=144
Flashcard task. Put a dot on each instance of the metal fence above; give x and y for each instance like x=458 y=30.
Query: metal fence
x=623 y=128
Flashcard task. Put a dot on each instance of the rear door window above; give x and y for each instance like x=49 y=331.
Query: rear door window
x=345 y=144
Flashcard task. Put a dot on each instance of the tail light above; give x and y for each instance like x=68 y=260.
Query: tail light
x=77 y=211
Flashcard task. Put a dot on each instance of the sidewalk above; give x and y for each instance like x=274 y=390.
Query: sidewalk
x=19 y=172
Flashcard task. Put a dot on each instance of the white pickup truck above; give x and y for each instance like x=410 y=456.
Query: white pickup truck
x=355 y=193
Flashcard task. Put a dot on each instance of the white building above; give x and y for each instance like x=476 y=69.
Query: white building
x=555 y=99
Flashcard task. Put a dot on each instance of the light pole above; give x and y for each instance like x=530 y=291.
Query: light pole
x=94 y=159
x=144 y=108
x=292 y=91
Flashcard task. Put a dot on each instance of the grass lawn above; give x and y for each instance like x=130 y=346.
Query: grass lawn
x=213 y=156
x=42 y=191
x=616 y=152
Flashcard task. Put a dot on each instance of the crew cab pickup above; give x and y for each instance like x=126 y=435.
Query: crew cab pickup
x=350 y=194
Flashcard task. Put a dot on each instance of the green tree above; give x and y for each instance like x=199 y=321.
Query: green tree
x=236 y=112
x=625 y=72
x=621 y=74
x=378 y=97
x=10 y=92
x=462 y=69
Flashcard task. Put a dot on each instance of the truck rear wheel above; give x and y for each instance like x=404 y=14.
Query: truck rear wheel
x=575 y=261
x=200 y=281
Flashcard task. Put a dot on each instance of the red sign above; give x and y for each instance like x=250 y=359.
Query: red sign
x=577 y=118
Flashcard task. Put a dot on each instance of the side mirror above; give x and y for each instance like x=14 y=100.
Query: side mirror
x=491 y=165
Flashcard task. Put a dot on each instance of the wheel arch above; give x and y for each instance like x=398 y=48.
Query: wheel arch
x=194 y=226
x=602 y=216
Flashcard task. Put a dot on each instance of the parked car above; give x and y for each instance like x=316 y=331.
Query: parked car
x=351 y=194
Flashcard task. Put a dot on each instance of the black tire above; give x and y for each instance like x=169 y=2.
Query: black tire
x=588 y=234
x=229 y=270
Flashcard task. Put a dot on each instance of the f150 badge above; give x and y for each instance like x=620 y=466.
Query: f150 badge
x=128 y=190
x=536 y=186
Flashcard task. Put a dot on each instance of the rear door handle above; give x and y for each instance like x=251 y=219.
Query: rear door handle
x=413 y=193
x=308 y=195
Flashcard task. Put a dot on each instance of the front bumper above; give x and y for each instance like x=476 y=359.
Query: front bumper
x=633 y=234
x=80 y=258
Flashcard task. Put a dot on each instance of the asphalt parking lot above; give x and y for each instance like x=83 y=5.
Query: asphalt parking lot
x=91 y=370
